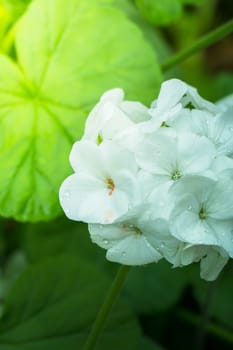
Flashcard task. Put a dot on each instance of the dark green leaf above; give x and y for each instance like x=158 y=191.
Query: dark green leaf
x=53 y=305
x=156 y=286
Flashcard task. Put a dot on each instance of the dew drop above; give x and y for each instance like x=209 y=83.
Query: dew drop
x=189 y=207
x=123 y=253
x=162 y=245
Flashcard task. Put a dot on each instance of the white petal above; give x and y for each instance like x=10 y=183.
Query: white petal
x=115 y=95
x=117 y=121
x=226 y=102
x=136 y=111
x=199 y=187
x=220 y=204
x=115 y=158
x=106 y=236
x=223 y=230
x=154 y=152
x=171 y=93
x=222 y=163
x=199 y=102
x=191 y=158
x=85 y=198
x=212 y=265
x=133 y=250
x=86 y=156
x=99 y=114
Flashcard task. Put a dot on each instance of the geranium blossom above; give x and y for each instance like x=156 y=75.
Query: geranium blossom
x=156 y=182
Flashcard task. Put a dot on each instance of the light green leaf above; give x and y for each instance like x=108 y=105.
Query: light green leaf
x=5 y=19
x=160 y=13
x=193 y=2
x=53 y=305
x=16 y=7
x=65 y=62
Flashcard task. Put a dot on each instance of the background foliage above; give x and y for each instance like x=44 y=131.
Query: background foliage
x=56 y=59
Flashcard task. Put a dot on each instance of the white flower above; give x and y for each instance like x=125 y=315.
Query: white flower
x=104 y=185
x=132 y=241
x=218 y=128
x=203 y=211
x=175 y=99
x=156 y=183
x=113 y=115
x=212 y=259
x=168 y=155
x=213 y=263
x=175 y=91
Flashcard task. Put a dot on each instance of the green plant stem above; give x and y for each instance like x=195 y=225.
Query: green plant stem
x=201 y=334
x=212 y=328
x=110 y=298
x=203 y=42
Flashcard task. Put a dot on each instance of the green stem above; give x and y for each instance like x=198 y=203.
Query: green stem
x=110 y=298
x=203 y=42
x=204 y=320
x=212 y=328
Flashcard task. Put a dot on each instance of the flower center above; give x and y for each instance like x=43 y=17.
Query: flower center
x=202 y=214
x=110 y=185
x=164 y=124
x=99 y=139
x=136 y=230
x=176 y=175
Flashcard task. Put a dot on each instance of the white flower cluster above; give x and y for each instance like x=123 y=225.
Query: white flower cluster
x=156 y=183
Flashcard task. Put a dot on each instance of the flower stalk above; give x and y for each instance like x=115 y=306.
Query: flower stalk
x=203 y=42
x=108 y=303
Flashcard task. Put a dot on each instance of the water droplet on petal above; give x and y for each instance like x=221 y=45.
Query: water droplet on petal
x=162 y=245
x=123 y=253
x=105 y=241
x=189 y=207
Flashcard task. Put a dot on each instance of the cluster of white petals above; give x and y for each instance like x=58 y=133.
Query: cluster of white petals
x=156 y=182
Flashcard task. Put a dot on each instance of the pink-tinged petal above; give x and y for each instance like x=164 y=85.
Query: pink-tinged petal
x=85 y=198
